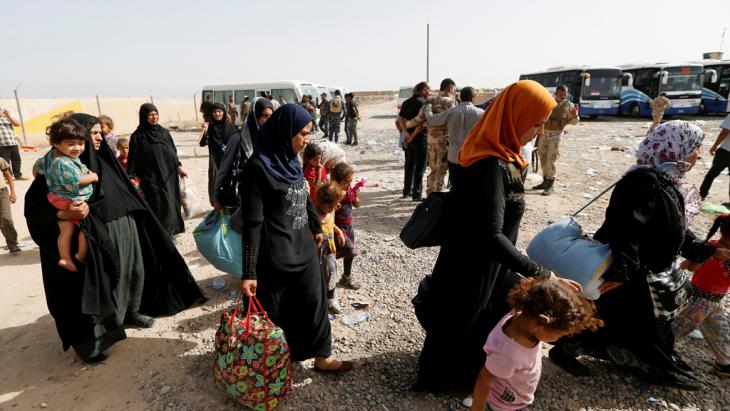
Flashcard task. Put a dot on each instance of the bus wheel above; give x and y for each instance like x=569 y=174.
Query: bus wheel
x=634 y=110
x=703 y=108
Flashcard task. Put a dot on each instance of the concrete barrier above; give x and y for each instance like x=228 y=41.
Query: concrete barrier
x=39 y=113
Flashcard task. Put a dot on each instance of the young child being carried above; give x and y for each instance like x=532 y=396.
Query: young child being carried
x=328 y=196
x=69 y=181
x=342 y=175
x=704 y=310
x=543 y=310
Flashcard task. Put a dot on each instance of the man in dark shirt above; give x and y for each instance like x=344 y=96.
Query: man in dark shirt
x=415 y=140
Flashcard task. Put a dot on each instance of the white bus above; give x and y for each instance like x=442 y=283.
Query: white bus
x=716 y=90
x=291 y=90
x=596 y=89
x=645 y=81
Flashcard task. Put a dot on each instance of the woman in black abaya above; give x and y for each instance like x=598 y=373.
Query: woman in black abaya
x=112 y=286
x=280 y=263
x=240 y=146
x=216 y=137
x=153 y=159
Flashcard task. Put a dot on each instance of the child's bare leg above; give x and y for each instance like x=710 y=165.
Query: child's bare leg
x=66 y=231
x=83 y=247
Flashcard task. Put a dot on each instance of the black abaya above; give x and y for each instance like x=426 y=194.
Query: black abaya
x=645 y=226
x=483 y=216
x=153 y=159
x=279 y=252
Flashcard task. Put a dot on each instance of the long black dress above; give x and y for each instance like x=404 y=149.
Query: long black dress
x=279 y=252
x=469 y=279
x=646 y=228
x=83 y=304
x=153 y=158
x=217 y=139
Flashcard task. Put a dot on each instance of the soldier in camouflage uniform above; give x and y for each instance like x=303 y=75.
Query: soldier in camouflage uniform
x=352 y=116
x=324 y=115
x=336 y=112
x=438 y=138
x=658 y=106
x=548 y=145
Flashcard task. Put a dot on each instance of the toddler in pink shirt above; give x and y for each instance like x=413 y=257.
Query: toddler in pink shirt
x=543 y=310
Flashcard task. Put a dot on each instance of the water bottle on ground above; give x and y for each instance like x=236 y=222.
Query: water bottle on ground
x=218 y=284
x=354 y=318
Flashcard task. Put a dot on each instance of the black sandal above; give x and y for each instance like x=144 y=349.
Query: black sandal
x=138 y=320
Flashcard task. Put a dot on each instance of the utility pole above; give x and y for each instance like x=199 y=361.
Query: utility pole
x=20 y=114
x=98 y=106
x=722 y=39
x=428 y=48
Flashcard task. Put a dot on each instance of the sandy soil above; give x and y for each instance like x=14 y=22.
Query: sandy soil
x=168 y=366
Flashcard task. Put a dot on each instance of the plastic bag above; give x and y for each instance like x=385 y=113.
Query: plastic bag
x=189 y=203
x=219 y=244
x=562 y=248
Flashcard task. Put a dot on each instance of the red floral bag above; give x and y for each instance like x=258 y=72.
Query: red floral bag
x=252 y=358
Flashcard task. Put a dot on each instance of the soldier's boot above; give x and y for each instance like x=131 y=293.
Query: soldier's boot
x=542 y=185
x=549 y=189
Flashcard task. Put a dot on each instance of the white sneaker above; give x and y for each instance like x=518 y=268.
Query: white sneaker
x=335 y=307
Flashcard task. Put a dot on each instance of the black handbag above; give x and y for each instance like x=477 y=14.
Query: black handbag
x=425 y=227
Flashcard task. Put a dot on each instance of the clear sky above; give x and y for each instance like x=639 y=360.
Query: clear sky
x=171 y=48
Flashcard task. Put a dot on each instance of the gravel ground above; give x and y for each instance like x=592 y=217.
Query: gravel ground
x=169 y=366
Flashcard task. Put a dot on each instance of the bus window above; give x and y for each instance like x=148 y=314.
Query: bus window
x=218 y=96
x=207 y=93
x=241 y=93
x=289 y=94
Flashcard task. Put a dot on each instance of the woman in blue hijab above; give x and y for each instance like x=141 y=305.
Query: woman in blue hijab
x=280 y=263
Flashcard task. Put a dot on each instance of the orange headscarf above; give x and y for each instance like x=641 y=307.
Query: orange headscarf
x=497 y=134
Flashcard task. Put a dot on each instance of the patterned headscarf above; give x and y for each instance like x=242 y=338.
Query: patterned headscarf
x=665 y=150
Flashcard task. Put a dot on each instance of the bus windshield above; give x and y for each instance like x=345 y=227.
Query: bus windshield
x=405 y=92
x=603 y=86
x=683 y=79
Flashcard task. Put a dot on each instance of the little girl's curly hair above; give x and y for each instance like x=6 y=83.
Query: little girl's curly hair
x=554 y=304
x=329 y=194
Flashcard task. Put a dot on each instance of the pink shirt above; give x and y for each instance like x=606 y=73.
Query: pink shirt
x=517 y=369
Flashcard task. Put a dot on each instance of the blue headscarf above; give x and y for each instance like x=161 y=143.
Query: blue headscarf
x=273 y=145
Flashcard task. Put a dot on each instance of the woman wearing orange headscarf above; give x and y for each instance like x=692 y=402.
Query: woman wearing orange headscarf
x=483 y=215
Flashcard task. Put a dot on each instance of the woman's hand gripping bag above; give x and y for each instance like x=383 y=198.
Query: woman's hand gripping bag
x=219 y=244
x=563 y=249
x=253 y=364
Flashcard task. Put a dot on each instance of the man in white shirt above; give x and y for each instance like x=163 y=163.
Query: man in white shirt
x=721 y=151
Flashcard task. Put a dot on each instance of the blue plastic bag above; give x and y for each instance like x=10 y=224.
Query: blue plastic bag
x=562 y=249
x=219 y=244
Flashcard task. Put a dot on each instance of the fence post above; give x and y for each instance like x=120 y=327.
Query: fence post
x=98 y=106
x=20 y=114
x=195 y=108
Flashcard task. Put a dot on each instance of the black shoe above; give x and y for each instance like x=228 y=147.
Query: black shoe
x=672 y=380
x=139 y=320
x=417 y=198
x=354 y=144
x=405 y=195
x=568 y=363
x=97 y=358
x=541 y=186
x=722 y=371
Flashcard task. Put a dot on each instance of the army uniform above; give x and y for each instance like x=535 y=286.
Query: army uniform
x=548 y=145
x=438 y=142
x=335 y=119
x=351 y=122
x=658 y=106
x=324 y=118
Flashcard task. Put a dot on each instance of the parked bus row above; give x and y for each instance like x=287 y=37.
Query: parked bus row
x=693 y=88
x=291 y=90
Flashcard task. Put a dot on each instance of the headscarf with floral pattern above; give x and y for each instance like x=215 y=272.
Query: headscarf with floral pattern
x=665 y=150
